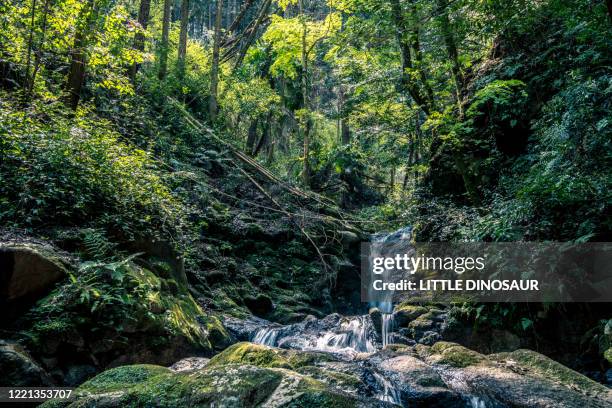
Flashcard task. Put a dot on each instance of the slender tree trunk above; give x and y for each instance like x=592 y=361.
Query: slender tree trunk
x=38 y=54
x=214 y=69
x=163 y=54
x=76 y=73
x=609 y=6
x=306 y=101
x=346 y=132
x=243 y=9
x=182 y=48
x=263 y=12
x=452 y=52
x=139 y=38
x=30 y=45
x=251 y=137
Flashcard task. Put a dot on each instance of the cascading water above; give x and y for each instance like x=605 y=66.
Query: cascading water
x=387 y=328
x=385 y=244
x=266 y=336
x=346 y=336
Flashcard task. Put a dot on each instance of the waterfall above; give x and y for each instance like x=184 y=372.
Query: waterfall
x=385 y=244
x=266 y=336
x=389 y=392
x=387 y=328
x=352 y=334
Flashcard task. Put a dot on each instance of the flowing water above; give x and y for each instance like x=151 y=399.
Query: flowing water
x=350 y=337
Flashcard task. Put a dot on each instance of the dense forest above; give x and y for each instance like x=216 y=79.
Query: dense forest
x=191 y=179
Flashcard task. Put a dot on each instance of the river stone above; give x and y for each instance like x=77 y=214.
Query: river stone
x=376 y=316
x=420 y=385
x=19 y=369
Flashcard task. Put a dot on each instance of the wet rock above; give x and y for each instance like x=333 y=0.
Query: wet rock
x=226 y=385
x=405 y=313
x=259 y=305
x=244 y=329
x=420 y=384
x=189 y=364
x=19 y=369
x=348 y=238
x=376 y=316
x=78 y=374
x=398 y=338
x=429 y=338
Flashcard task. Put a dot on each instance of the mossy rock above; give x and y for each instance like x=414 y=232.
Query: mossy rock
x=455 y=355
x=227 y=386
x=545 y=367
x=263 y=356
x=331 y=377
x=608 y=355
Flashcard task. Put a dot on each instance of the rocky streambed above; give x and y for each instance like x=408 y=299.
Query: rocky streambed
x=340 y=361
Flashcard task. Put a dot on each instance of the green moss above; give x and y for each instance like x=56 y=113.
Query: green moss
x=410 y=310
x=121 y=378
x=334 y=378
x=455 y=355
x=263 y=356
x=314 y=394
x=548 y=368
x=608 y=355
x=217 y=334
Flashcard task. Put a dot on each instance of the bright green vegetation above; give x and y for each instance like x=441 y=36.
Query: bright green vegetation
x=207 y=158
x=119 y=299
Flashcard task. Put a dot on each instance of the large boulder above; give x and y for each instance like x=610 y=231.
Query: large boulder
x=245 y=375
x=28 y=270
x=19 y=369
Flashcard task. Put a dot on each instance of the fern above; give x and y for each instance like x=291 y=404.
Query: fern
x=96 y=244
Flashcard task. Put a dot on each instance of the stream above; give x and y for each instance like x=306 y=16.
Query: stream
x=355 y=340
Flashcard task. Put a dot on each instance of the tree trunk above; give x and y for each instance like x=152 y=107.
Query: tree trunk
x=78 y=54
x=182 y=48
x=406 y=82
x=214 y=69
x=306 y=101
x=251 y=137
x=143 y=20
x=451 y=50
x=263 y=12
x=345 y=131
x=163 y=55
x=38 y=55
x=30 y=44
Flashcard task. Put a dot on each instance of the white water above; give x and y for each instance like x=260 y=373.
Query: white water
x=387 y=328
x=389 y=393
x=349 y=337
x=266 y=336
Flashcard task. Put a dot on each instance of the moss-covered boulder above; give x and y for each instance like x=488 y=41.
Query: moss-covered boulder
x=225 y=385
x=454 y=355
x=263 y=356
x=111 y=314
x=404 y=313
